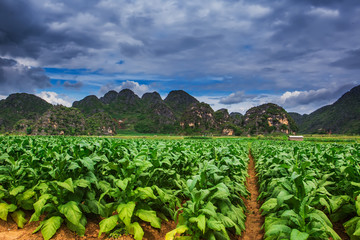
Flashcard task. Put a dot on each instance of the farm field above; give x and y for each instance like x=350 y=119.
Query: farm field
x=93 y=188
x=306 y=188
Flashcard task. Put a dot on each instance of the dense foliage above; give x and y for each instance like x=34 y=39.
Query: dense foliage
x=178 y=113
x=20 y=106
x=302 y=184
x=125 y=182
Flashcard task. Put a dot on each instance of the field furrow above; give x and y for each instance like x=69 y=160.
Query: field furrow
x=254 y=220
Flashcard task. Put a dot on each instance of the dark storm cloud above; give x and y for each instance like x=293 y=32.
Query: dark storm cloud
x=314 y=23
x=351 y=61
x=18 y=27
x=15 y=77
x=29 y=30
x=129 y=50
x=7 y=62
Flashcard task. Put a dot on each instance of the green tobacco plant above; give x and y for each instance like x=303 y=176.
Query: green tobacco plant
x=61 y=202
x=208 y=214
x=212 y=210
x=352 y=227
x=133 y=202
x=295 y=194
x=65 y=180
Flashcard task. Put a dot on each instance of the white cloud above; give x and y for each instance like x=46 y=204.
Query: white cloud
x=2 y=97
x=309 y=101
x=324 y=12
x=305 y=97
x=54 y=98
x=138 y=89
x=292 y=101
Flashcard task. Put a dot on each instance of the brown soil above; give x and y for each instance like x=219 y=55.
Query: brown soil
x=254 y=220
x=10 y=231
x=339 y=229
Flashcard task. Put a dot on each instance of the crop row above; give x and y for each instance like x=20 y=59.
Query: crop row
x=197 y=183
x=307 y=187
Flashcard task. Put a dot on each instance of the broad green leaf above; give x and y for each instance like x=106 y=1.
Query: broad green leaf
x=337 y=201
x=276 y=230
x=201 y=222
x=149 y=216
x=185 y=238
x=27 y=195
x=238 y=216
x=2 y=190
x=269 y=204
x=209 y=209
x=19 y=217
x=88 y=163
x=79 y=228
x=83 y=183
x=136 y=230
x=125 y=212
x=297 y=235
x=283 y=196
x=67 y=184
x=228 y=223
x=104 y=186
x=179 y=230
x=214 y=224
x=108 y=224
x=43 y=187
x=292 y=216
x=4 y=210
x=145 y=193
x=50 y=226
x=38 y=206
x=357 y=230
x=122 y=184
x=222 y=192
x=324 y=203
x=73 y=166
x=17 y=190
x=321 y=217
x=12 y=207
x=95 y=207
x=351 y=222
x=357 y=205
x=71 y=211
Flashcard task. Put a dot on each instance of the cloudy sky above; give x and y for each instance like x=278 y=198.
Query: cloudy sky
x=231 y=54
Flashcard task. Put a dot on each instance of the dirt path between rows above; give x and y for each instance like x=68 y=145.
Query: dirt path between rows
x=254 y=220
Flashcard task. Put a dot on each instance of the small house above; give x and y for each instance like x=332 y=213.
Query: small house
x=295 y=138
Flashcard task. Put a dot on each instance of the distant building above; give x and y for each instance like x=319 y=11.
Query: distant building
x=295 y=138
